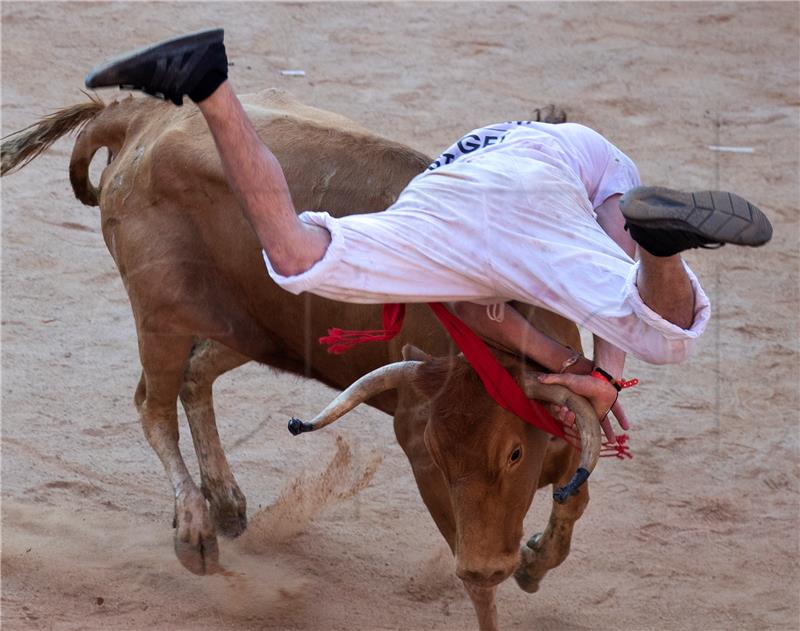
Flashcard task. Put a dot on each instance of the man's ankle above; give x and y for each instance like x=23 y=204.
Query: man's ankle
x=216 y=75
x=218 y=102
x=661 y=264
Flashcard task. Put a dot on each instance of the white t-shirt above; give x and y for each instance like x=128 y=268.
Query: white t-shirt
x=602 y=168
x=506 y=213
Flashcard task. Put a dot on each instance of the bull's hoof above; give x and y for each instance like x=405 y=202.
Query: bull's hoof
x=527 y=575
x=534 y=542
x=527 y=583
x=201 y=557
x=195 y=536
x=230 y=518
x=228 y=506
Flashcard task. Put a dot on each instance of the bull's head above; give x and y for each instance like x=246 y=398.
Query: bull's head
x=490 y=459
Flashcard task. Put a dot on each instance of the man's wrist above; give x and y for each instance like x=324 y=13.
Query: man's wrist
x=582 y=366
x=602 y=375
x=619 y=384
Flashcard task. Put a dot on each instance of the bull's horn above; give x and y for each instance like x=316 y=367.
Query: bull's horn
x=375 y=382
x=585 y=419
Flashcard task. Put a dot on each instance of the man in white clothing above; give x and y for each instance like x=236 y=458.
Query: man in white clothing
x=549 y=215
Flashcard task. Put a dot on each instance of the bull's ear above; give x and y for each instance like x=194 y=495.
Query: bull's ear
x=412 y=353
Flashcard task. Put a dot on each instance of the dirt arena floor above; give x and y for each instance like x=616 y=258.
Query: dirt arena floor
x=698 y=532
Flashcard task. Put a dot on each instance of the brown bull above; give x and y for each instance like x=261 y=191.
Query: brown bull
x=203 y=304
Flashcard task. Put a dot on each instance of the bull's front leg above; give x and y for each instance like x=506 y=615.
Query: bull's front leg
x=208 y=361
x=548 y=549
x=163 y=359
x=483 y=600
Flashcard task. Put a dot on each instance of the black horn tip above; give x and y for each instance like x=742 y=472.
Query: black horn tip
x=296 y=426
x=565 y=492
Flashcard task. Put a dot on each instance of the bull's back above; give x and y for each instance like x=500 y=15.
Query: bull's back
x=277 y=103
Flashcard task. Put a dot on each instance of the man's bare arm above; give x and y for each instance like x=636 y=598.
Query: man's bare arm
x=515 y=333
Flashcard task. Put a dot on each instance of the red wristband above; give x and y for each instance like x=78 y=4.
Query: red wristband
x=619 y=384
x=599 y=373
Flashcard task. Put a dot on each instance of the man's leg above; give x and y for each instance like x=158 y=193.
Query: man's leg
x=663 y=283
x=259 y=184
x=664 y=223
x=196 y=66
x=664 y=286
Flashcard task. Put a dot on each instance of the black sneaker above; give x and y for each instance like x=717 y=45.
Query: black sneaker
x=193 y=65
x=665 y=222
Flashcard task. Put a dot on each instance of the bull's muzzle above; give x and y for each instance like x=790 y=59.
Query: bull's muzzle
x=488 y=574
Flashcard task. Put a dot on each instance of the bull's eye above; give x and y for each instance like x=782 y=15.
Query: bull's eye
x=516 y=455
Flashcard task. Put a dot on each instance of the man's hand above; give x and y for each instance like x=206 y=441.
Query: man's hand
x=601 y=394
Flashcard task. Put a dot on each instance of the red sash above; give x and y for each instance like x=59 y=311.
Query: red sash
x=500 y=385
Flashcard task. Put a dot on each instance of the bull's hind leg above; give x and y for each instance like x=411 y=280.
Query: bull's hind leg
x=548 y=549
x=164 y=360
x=209 y=360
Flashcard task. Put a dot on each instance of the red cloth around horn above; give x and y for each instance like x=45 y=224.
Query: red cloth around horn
x=500 y=385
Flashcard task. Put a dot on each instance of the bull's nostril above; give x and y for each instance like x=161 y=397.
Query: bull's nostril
x=463 y=574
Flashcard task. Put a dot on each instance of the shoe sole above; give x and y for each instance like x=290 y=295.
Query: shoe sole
x=112 y=73
x=714 y=215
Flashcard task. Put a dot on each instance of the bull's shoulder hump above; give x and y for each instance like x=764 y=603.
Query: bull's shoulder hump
x=277 y=103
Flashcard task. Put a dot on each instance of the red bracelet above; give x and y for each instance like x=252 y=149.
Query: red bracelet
x=602 y=375
x=619 y=384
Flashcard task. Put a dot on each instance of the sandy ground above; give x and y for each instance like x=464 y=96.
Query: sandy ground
x=699 y=531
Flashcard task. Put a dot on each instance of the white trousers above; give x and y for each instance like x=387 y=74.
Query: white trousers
x=504 y=225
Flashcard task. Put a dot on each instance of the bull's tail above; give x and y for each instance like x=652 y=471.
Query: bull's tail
x=100 y=125
x=19 y=148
